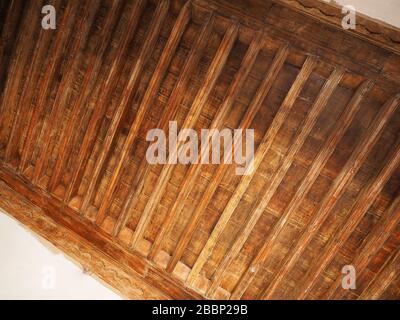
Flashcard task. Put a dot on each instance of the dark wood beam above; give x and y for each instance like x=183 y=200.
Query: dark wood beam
x=169 y=113
x=218 y=121
x=92 y=70
x=153 y=87
x=129 y=91
x=304 y=130
x=338 y=187
x=211 y=77
x=371 y=245
x=107 y=89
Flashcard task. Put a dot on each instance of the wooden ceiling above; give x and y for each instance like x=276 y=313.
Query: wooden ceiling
x=77 y=102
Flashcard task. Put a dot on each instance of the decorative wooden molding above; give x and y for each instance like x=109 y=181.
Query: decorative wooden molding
x=318 y=98
x=127 y=272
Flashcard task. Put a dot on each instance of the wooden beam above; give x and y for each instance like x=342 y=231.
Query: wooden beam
x=363 y=203
x=169 y=113
x=338 y=187
x=107 y=88
x=9 y=29
x=92 y=69
x=24 y=103
x=194 y=170
x=248 y=175
x=304 y=130
x=127 y=282
x=61 y=93
x=149 y=96
x=211 y=77
x=56 y=49
x=320 y=161
x=129 y=91
x=82 y=233
x=247 y=119
x=371 y=245
x=383 y=279
x=306 y=42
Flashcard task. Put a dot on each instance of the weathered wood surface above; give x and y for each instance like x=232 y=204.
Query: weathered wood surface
x=77 y=103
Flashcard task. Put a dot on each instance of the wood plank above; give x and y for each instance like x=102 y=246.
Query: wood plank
x=314 y=171
x=24 y=103
x=304 y=130
x=130 y=89
x=61 y=94
x=92 y=70
x=29 y=146
x=331 y=197
x=127 y=282
x=194 y=170
x=153 y=87
x=383 y=279
x=104 y=246
x=107 y=88
x=248 y=175
x=10 y=41
x=169 y=113
x=363 y=203
x=211 y=77
x=371 y=245
x=56 y=48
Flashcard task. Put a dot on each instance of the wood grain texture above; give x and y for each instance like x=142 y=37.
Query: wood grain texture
x=148 y=46
x=374 y=241
x=92 y=69
x=212 y=75
x=306 y=127
x=169 y=113
x=255 y=105
x=352 y=166
x=217 y=123
x=107 y=88
x=247 y=177
x=364 y=201
x=77 y=104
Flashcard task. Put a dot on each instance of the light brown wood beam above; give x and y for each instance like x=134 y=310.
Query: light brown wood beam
x=10 y=90
x=150 y=94
x=92 y=70
x=383 y=279
x=129 y=91
x=107 y=88
x=56 y=52
x=56 y=49
x=11 y=27
x=304 y=130
x=8 y=26
x=104 y=250
x=250 y=172
x=338 y=187
x=211 y=77
x=60 y=96
x=194 y=170
x=312 y=174
x=371 y=245
x=169 y=113
x=363 y=203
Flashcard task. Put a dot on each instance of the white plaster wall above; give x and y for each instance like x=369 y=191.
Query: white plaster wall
x=384 y=10
x=32 y=269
